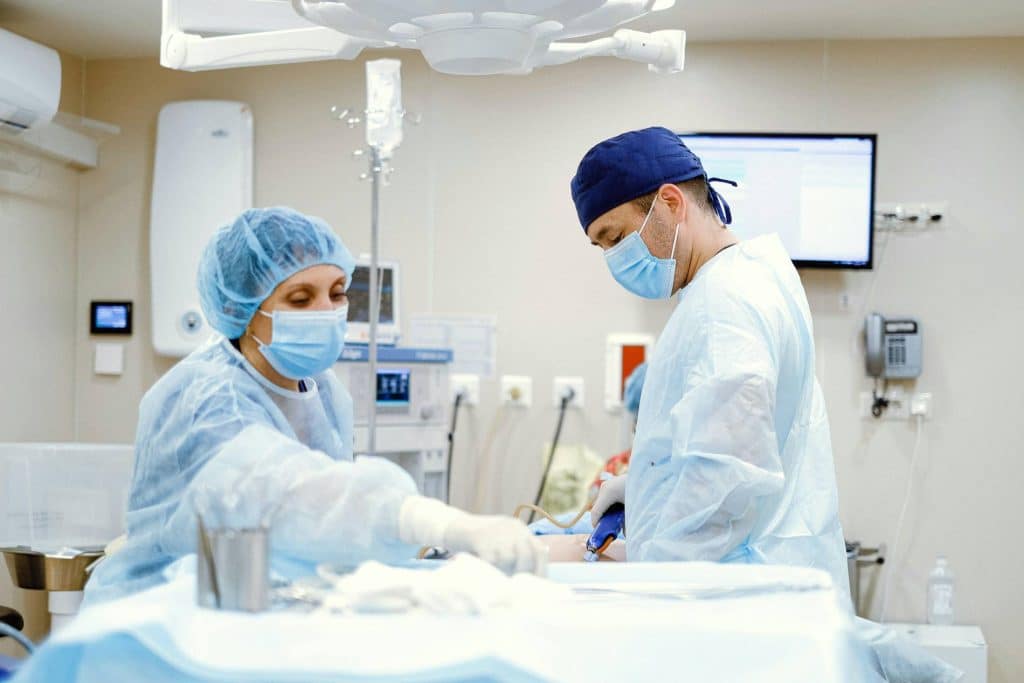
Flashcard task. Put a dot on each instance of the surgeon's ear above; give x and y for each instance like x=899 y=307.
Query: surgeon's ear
x=674 y=200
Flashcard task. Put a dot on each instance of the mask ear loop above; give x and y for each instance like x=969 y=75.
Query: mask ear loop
x=258 y=341
x=650 y=212
x=672 y=254
x=647 y=218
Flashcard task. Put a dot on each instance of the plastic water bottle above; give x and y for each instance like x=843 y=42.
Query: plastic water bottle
x=940 y=593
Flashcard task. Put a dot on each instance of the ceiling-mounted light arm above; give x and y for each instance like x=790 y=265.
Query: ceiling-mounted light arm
x=662 y=51
x=564 y=53
x=230 y=17
x=249 y=42
x=189 y=52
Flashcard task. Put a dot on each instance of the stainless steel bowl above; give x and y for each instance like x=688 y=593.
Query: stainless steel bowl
x=33 y=570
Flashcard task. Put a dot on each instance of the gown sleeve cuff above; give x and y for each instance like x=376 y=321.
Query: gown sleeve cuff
x=423 y=521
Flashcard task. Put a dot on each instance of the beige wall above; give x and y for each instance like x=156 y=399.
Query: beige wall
x=37 y=297
x=480 y=217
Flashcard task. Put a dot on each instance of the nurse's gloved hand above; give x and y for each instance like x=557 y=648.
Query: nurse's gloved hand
x=502 y=541
x=612 y=491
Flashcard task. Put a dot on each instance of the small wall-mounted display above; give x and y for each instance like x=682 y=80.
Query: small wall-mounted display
x=110 y=317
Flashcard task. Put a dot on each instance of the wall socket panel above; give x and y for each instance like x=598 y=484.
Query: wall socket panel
x=899 y=216
x=469 y=385
x=517 y=390
x=921 y=404
x=903 y=406
x=559 y=386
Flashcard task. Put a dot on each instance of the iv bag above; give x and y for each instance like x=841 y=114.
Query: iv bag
x=384 y=105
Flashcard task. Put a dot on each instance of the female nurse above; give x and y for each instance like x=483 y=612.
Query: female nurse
x=256 y=423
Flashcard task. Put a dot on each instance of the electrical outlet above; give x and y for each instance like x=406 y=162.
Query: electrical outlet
x=561 y=384
x=900 y=216
x=898 y=408
x=921 y=405
x=517 y=390
x=469 y=385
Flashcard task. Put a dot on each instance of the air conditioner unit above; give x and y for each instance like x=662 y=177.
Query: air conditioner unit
x=29 y=83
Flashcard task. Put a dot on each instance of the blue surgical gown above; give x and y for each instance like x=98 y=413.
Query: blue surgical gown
x=213 y=426
x=732 y=459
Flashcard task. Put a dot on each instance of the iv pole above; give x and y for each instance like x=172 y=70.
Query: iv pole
x=384 y=115
x=375 y=179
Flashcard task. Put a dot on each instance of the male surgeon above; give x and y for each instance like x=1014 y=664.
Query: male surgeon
x=732 y=459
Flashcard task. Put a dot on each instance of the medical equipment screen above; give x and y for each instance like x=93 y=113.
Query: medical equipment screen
x=359 y=295
x=393 y=387
x=815 y=191
x=110 y=317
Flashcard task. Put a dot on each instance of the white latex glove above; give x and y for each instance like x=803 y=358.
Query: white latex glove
x=502 y=541
x=611 y=492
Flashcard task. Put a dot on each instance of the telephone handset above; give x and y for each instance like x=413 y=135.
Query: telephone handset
x=874 y=335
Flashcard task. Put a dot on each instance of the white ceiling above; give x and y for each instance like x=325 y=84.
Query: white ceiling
x=131 y=28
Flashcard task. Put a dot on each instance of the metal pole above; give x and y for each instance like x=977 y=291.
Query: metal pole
x=375 y=171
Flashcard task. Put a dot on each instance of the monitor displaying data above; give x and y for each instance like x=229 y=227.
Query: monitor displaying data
x=393 y=387
x=815 y=191
x=359 y=294
x=389 y=288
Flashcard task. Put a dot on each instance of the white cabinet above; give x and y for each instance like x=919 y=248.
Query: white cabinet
x=962 y=646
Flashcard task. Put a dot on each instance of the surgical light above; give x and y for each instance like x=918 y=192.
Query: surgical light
x=455 y=36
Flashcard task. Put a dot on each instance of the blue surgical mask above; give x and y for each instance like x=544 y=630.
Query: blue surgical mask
x=635 y=268
x=305 y=343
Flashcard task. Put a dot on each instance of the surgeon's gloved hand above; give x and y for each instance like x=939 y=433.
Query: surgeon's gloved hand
x=502 y=541
x=611 y=492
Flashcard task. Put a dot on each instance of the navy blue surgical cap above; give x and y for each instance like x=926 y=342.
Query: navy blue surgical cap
x=635 y=164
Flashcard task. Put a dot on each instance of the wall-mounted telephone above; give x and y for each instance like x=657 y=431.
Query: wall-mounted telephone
x=892 y=347
x=892 y=350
